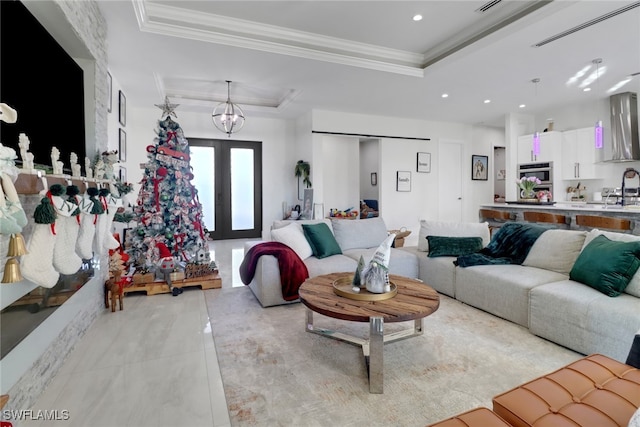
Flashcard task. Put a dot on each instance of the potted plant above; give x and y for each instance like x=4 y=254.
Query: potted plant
x=303 y=170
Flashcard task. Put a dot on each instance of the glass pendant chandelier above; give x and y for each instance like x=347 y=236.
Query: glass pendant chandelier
x=227 y=116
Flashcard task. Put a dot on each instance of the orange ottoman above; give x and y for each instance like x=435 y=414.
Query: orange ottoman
x=480 y=417
x=593 y=391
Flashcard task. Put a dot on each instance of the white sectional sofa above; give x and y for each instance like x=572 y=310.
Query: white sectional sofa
x=360 y=237
x=538 y=294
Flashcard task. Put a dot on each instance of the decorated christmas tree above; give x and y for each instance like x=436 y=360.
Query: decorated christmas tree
x=167 y=210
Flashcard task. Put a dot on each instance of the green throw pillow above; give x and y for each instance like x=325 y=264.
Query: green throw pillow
x=321 y=240
x=453 y=246
x=606 y=265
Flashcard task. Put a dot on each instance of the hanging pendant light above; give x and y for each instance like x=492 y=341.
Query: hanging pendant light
x=536 y=143
x=536 y=135
x=227 y=116
x=598 y=136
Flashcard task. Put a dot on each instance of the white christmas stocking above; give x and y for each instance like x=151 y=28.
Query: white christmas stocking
x=102 y=226
x=37 y=264
x=90 y=209
x=65 y=259
x=113 y=204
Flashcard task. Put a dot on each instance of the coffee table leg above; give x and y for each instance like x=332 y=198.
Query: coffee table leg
x=309 y=323
x=376 y=356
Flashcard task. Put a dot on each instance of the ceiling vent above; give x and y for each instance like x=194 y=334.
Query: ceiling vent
x=588 y=24
x=487 y=6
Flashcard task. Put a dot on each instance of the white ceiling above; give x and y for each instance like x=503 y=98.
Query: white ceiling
x=288 y=57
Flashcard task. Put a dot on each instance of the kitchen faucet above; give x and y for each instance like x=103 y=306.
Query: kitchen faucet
x=628 y=173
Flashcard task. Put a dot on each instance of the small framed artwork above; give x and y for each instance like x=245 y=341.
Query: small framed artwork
x=123 y=174
x=122 y=108
x=403 y=181
x=109 y=92
x=424 y=162
x=307 y=204
x=374 y=178
x=122 y=146
x=479 y=168
x=318 y=210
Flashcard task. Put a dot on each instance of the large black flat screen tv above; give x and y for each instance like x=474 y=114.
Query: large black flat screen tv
x=43 y=84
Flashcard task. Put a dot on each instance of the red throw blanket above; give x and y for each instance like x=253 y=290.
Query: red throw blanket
x=293 y=272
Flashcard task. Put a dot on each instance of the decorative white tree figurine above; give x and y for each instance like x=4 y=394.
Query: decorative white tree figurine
x=56 y=164
x=75 y=167
x=25 y=155
x=87 y=168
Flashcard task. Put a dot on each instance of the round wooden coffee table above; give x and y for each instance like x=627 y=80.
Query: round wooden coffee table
x=414 y=301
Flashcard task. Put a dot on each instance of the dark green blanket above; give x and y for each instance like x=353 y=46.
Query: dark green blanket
x=509 y=245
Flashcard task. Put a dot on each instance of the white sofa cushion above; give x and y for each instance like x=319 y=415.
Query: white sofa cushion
x=502 y=289
x=633 y=288
x=584 y=319
x=359 y=233
x=556 y=250
x=293 y=236
x=284 y=222
x=452 y=229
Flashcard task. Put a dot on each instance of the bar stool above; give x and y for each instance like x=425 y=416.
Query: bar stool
x=546 y=217
x=618 y=224
x=495 y=218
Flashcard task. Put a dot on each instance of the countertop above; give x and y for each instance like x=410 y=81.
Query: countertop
x=570 y=206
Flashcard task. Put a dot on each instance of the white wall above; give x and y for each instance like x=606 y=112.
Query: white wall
x=401 y=209
x=340 y=164
x=369 y=163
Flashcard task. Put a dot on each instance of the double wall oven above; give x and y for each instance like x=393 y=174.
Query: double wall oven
x=543 y=171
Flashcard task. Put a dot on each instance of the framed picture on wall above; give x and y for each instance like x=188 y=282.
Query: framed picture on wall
x=123 y=174
x=479 y=168
x=424 y=162
x=318 y=210
x=307 y=204
x=403 y=181
x=374 y=178
x=122 y=146
x=122 y=108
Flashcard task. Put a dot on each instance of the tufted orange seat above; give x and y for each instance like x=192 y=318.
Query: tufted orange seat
x=593 y=391
x=479 y=417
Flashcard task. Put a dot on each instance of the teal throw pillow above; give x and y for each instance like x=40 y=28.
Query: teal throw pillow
x=321 y=240
x=453 y=246
x=607 y=265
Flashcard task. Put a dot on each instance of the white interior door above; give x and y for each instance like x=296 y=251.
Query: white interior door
x=450 y=179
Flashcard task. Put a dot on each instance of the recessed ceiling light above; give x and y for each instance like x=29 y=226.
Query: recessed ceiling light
x=586 y=89
x=417 y=17
x=486 y=101
x=445 y=95
x=522 y=105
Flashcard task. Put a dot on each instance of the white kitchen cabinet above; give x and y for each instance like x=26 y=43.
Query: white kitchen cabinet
x=579 y=154
x=550 y=148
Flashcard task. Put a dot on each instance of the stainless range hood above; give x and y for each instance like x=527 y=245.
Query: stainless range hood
x=624 y=127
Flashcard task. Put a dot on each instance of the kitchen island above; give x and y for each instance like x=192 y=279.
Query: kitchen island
x=570 y=210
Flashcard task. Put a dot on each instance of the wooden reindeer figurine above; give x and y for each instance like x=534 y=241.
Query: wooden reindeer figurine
x=114 y=287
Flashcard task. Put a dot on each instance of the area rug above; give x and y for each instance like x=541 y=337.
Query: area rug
x=276 y=374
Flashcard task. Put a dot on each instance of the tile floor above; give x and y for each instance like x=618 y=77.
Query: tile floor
x=152 y=364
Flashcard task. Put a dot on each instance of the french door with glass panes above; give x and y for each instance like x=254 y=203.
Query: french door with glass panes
x=228 y=177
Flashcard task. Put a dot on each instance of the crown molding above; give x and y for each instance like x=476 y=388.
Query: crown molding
x=178 y=22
